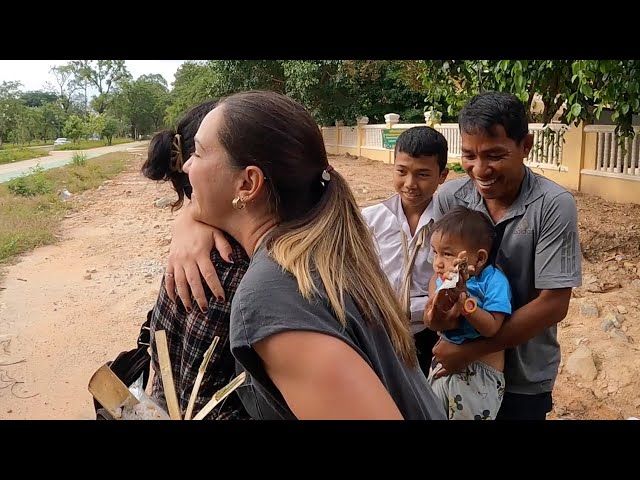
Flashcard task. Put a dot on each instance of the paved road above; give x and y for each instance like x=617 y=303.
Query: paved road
x=61 y=157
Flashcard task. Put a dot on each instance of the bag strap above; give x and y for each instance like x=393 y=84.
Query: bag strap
x=144 y=338
x=409 y=262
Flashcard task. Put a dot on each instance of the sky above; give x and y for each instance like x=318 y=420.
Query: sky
x=35 y=73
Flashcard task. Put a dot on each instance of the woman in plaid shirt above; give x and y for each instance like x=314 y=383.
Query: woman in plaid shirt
x=190 y=331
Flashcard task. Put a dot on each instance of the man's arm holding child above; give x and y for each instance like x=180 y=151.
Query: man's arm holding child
x=486 y=323
x=557 y=271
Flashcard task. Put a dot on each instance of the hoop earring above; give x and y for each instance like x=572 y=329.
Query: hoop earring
x=238 y=203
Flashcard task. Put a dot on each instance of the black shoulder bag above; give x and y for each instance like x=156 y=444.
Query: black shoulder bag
x=130 y=365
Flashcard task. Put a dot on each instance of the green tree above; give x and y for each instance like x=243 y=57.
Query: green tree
x=447 y=84
x=193 y=84
x=104 y=75
x=612 y=84
x=10 y=105
x=28 y=124
x=196 y=82
x=95 y=124
x=53 y=118
x=321 y=86
x=158 y=94
x=77 y=105
x=571 y=90
x=378 y=87
x=74 y=128
x=231 y=76
x=64 y=86
x=37 y=98
x=143 y=103
x=109 y=128
x=331 y=89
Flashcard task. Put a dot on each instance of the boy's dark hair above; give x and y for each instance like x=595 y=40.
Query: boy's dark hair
x=471 y=226
x=164 y=162
x=418 y=141
x=487 y=110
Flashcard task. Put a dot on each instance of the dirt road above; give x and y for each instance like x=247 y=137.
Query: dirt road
x=67 y=308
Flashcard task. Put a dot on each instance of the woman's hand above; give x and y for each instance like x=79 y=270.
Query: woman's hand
x=190 y=257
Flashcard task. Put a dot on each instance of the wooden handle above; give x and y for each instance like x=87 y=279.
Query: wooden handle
x=220 y=395
x=167 y=376
x=201 y=370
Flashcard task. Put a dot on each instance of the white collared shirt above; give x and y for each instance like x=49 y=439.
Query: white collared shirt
x=389 y=225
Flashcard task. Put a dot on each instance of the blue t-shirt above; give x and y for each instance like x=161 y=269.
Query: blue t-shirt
x=492 y=293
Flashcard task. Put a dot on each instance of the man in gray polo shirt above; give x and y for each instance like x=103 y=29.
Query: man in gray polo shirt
x=537 y=247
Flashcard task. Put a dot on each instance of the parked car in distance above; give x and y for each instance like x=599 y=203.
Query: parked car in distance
x=61 y=141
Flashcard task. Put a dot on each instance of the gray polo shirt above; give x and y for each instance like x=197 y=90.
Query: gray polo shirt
x=540 y=250
x=268 y=302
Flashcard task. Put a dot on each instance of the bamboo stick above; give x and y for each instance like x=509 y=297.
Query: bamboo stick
x=167 y=376
x=220 y=395
x=196 y=386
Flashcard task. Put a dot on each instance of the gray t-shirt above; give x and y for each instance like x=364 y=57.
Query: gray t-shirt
x=268 y=302
x=540 y=250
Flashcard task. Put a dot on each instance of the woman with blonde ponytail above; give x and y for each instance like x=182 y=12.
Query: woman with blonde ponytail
x=314 y=321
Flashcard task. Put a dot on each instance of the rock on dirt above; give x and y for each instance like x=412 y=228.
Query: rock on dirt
x=164 y=202
x=589 y=310
x=580 y=363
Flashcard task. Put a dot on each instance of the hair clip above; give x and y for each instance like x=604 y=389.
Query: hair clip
x=325 y=173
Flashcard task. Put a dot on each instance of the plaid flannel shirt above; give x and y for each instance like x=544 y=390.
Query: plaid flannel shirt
x=189 y=335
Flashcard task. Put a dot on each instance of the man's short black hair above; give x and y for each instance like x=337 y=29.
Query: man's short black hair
x=487 y=110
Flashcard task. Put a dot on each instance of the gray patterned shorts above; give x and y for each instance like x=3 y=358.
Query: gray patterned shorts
x=475 y=394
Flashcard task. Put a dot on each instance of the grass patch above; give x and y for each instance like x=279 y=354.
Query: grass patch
x=18 y=154
x=79 y=159
x=36 y=183
x=27 y=222
x=31 y=208
x=86 y=144
x=10 y=146
x=456 y=167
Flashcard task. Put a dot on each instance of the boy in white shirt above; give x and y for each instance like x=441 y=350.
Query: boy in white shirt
x=401 y=226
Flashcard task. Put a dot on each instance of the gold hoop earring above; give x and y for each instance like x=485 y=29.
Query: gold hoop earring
x=238 y=203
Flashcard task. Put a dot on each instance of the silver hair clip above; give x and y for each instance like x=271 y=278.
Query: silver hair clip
x=326 y=176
